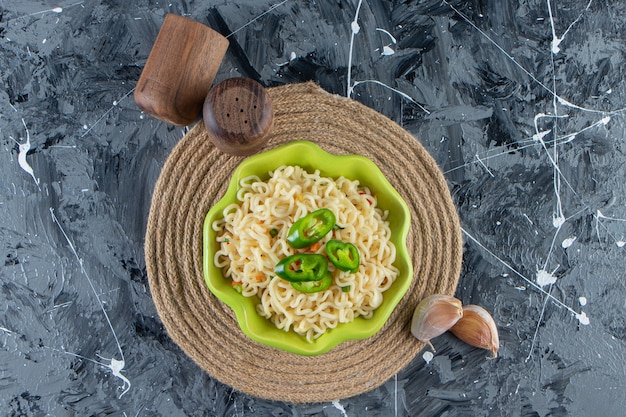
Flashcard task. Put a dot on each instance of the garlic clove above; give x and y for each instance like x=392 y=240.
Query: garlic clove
x=435 y=315
x=477 y=328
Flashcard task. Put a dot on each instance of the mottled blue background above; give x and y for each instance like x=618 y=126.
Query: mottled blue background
x=521 y=103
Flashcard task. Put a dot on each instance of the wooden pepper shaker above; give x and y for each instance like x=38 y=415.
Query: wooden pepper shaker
x=180 y=70
x=238 y=115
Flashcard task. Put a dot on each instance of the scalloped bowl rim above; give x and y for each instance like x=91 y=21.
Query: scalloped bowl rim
x=311 y=157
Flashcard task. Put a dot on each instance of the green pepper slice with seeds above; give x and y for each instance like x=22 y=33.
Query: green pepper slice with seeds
x=344 y=255
x=311 y=228
x=302 y=267
x=314 y=286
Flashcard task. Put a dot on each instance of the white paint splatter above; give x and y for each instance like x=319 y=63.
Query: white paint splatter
x=391 y=37
x=484 y=166
x=520 y=66
x=560 y=140
x=115 y=103
x=558 y=221
x=620 y=243
x=518 y=274
x=339 y=407
x=387 y=51
x=545 y=278
x=116 y=369
x=556 y=41
x=21 y=157
x=355 y=27
x=400 y=93
x=582 y=301
x=555 y=45
x=256 y=18
x=582 y=318
x=568 y=242
x=540 y=135
x=532 y=344
x=116 y=366
x=428 y=356
x=568 y=138
x=53 y=10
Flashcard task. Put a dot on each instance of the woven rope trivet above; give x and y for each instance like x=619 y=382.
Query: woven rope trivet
x=196 y=175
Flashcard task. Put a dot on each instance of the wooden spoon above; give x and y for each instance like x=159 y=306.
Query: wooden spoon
x=180 y=70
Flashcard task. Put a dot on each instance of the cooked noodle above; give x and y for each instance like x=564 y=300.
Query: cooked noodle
x=248 y=253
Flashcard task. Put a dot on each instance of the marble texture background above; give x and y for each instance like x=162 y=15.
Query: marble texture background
x=521 y=102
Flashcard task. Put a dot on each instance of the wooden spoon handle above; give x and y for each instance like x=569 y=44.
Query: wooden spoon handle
x=180 y=70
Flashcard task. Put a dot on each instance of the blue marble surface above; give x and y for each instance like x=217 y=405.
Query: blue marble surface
x=521 y=103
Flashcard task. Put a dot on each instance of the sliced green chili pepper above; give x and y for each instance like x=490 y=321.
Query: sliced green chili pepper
x=302 y=267
x=314 y=286
x=237 y=287
x=344 y=255
x=345 y=288
x=311 y=228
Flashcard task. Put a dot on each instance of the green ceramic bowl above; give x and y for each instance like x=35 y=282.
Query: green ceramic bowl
x=310 y=157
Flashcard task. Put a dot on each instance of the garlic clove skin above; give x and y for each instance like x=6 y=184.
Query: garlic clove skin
x=477 y=328
x=435 y=315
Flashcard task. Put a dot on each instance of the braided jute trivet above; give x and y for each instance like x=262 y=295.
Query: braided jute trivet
x=196 y=175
